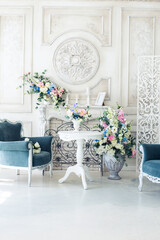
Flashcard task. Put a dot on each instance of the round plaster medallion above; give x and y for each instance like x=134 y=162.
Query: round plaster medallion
x=76 y=61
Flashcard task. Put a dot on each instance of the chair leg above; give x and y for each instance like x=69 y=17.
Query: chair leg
x=140 y=181
x=43 y=172
x=50 y=169
x=18 y=171
x=29 y=177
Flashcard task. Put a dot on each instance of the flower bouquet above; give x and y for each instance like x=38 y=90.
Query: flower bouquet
x=46 y=90
x=77 y=115
x=36 y=146
x=117 y=138
x=117 y=141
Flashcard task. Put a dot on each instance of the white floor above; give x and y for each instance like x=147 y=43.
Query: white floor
x=108 y=210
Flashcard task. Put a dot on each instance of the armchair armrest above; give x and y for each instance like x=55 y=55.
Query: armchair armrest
x=150 y=151
x=45 y=142
x=14 y=146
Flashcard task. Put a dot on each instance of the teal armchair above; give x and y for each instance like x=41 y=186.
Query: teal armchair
x=150 y=165
x=17 y=153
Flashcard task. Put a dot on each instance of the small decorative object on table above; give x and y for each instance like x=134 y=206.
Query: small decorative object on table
x=77 y=115
x=36 y=146
x=117 y=141
x=47 y=91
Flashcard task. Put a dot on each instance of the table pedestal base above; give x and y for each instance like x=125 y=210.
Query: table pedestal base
x=80 y=171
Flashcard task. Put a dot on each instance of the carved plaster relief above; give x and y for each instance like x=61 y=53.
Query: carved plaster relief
x=59 y=21
x=76 y=61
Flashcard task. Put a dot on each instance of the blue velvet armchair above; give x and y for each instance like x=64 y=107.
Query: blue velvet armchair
x=150 y=165
x=17 y=153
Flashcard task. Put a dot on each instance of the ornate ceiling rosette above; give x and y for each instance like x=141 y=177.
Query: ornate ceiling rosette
x=76 y=61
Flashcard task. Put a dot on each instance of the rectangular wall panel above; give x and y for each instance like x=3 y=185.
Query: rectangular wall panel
x=15 y=57
x=11 y=55
x=139 y=37
x=59 y=21
x=141 y=42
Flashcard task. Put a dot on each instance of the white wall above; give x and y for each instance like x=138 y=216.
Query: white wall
x=31 y=32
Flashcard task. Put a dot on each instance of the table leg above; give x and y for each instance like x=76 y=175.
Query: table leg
x=87 y=173
x=79 y=169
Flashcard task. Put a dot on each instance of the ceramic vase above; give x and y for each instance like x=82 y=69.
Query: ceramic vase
x=114 y=165
x=76 y=124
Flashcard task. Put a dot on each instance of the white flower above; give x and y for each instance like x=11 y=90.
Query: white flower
x=123 y=152
x=26 y=139
x=114 y=142
x=100 y=150
x=36 y=145
x=119 y=146
x=111 y=152
x=127 y=134
x=69 y=113
x=114 y=129
x=108 y=147
x=120 y=136
x=44 y=89
x=48 y=85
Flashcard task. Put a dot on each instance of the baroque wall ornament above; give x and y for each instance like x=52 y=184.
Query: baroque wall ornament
x=76 y=61
x=148 y=105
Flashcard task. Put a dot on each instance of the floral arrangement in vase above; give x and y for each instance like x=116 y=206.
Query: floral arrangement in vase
x=117 y=139
x=36 y=146
x=45 y=89
x=77 y=115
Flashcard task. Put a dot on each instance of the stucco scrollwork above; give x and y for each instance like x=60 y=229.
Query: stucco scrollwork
x=76 y=61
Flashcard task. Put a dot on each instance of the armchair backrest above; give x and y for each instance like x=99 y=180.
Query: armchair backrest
x=10 y=131
x=151 y=152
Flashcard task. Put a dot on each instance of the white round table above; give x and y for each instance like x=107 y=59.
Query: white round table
x=79 y=169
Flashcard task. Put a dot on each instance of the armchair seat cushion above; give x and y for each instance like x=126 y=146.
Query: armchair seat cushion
x=41 y=158
x=152 y=167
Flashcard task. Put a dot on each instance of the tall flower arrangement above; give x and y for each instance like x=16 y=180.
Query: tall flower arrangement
x=117 y=138
x=46 y=90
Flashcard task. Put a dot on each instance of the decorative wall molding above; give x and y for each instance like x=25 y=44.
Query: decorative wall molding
x=148 y=106
x=76 y=61
x=58 y=21
x=141 y=29
x=15 y=56
x=138 y=27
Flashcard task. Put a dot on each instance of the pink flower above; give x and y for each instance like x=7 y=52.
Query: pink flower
x=82 y=112
x=55 y=91
x=133 y=153
x=121 y=116
x=40 y=84
x=58 y=92
x=104 y=125
x=110 y=138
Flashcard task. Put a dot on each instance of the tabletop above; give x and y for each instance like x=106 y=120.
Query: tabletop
x=76 y=135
